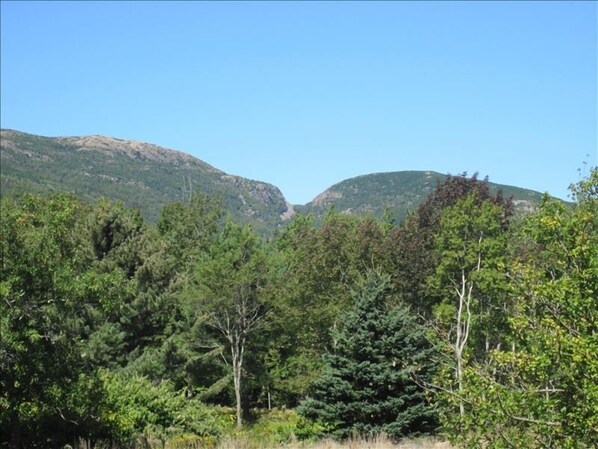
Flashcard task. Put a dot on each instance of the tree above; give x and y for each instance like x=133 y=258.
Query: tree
x=49 y=300
x=115 y=234
x=318 y=267
x=371 y=381
x=189 y=228
x=114 y=241
x=229 y=286
x=411 y=246
x=77 y=285
x=37 y=357
x=158 y=326
x=471 y=248
x=541 y=389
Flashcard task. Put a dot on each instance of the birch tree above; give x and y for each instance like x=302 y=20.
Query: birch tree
x=541 y=390
x=471 y=249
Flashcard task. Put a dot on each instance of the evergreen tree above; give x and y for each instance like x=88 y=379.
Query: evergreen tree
x=370 y=382
x=318 y=267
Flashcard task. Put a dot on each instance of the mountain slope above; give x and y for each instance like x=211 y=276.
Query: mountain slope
x=400 y=192
x=143 y=175
x=147 y=176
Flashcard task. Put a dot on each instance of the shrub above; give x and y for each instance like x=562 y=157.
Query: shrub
x=135 y=407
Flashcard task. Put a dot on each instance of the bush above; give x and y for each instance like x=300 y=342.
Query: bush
x=283 y=426
x=134 y=407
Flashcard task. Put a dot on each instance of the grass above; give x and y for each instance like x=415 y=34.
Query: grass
x=245 y=442
x=380 y=442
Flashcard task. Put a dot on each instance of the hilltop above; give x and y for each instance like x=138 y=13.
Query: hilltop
x=399 y=192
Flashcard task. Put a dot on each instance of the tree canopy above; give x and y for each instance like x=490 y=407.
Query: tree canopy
x=463 y=318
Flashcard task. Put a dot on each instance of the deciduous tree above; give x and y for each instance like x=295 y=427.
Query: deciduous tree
x=541 y=390
x=229 y=286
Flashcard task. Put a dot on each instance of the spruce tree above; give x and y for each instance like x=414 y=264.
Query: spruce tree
x=371 y=380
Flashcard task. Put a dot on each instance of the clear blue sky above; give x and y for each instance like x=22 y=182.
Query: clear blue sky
x=303 y=95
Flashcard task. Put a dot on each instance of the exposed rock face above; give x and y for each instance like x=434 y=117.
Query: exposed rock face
x=134 y=150
x=525 y=206
x=288 y=214
x=327 y=197
x=141 y=174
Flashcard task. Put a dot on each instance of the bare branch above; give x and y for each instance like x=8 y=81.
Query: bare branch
x=524 y=419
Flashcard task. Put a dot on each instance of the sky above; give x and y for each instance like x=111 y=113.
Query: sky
x=303 y=95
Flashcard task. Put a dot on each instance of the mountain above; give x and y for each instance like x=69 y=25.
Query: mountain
x=399 y=192
x=147 y=177
x=142 y=175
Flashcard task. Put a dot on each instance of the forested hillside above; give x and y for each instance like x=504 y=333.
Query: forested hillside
x=464 y=320
x=149 y=177
x=143 y=175
x=397 y=193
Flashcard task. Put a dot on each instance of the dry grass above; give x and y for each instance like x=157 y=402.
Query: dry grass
x=245 y=442
x=380 y=442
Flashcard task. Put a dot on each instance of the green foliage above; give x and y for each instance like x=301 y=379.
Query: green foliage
x=370 y=381
x=317 y=269
x=112 y=228
x=162 y=319
x=134 y=407
x=124 y=409
x=228 y=295
x=412 y=246
x=279 y=426
x=115 y=330
x=43 y=301
x=189 y=228
x=471 y=249
x=541 y=389
x=70 y=298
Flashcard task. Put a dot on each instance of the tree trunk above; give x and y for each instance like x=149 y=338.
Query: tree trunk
x=462 y=333
x=269 y=400
x=459 y=374
x=15 y=432
x=237 y=364
x=237 y=382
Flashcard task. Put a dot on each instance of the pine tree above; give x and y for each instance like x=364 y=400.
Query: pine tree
x=370 y=383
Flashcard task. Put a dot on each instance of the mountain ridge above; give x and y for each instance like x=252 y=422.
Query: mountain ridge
x=148 y=176
x=141 y=174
